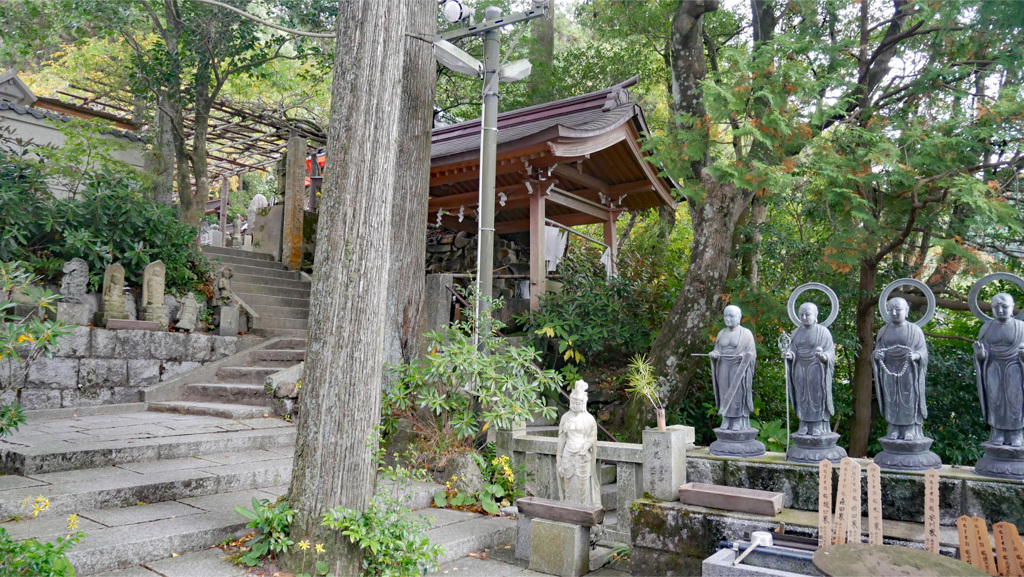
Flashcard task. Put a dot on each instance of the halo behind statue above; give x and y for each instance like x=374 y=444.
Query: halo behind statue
x=813 y=286
x=883 y=300
x=972 y=297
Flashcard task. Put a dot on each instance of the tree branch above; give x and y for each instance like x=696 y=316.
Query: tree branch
x=266 y=23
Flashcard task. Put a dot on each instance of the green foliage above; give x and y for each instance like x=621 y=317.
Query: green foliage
x=502 y=471
x=23 y=339
x=392 y=538
x=641 y=382
x=110 y=220
x=273 y=523
x=601 y=319
x=506 y=483
x=461 y=388
x=32 y=558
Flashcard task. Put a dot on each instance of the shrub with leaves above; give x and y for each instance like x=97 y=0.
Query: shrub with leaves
x=31 y=557
x=460 y=389
x=273 y=523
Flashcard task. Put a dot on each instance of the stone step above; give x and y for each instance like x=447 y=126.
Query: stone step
x=156 y=436
x=218 y=260
x=246 y=291
x=277 y=355
x=221 y=410
x=230 y=393
x=461 y=533
x=296 y=342
x=157 y=481
x=224 y=251
x=276 y=323
x=245 y=375
x=209 y=562
x=241 y=269
x=283 y=312
x=244 y=283
x=261 y=301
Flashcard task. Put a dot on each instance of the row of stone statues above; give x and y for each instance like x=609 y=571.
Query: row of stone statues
x=73 y=310
x=900 y=363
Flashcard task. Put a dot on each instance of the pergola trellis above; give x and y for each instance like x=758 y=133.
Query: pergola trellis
x=240 y=138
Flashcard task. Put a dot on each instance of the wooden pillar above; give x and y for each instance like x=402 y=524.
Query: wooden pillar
x=294 y=203
x=223 y=210
x=538 y=268
x=612 y=242
x=315 y=181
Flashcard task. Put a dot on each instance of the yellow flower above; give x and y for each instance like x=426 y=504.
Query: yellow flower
x=24 y=338
x=73 y=521
x=319 y=548
x=304 y=545
x=39 y=504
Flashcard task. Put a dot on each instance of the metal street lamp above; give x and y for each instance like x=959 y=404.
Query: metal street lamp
x=492 y=71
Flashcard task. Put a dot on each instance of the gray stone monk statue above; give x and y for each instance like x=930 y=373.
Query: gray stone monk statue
x=999 y=366
x=811 y=361
x=732 y=377
x=576 y=456
x=900 y=365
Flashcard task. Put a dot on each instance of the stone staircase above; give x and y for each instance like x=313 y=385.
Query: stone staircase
x=279 y=296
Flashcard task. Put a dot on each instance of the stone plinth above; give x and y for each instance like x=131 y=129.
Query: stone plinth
x=664 y=468
x=904 y=455
x=559 y=548
x=155 y=314
x=812 y=449
x=740 y=443
x=1001 y=462
x=73 y=314
x=226 y=319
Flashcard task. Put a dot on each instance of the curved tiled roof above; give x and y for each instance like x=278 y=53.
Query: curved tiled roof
x=42 y=114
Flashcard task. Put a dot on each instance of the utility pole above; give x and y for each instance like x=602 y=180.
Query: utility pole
x=492 y=71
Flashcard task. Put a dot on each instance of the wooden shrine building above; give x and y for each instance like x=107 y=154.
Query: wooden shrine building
x=566 y=163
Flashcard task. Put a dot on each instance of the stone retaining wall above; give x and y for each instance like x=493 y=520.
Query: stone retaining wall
x=98 y=366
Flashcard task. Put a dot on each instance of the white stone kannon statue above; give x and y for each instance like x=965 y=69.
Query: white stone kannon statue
x=576 y=459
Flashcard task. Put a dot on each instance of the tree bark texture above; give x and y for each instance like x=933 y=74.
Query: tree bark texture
x=161 y=161
x=542 y=55
x=334 y=457
x=404 y=329
x=860 y=423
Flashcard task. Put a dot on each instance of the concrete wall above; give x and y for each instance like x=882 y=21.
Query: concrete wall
x=97 y=366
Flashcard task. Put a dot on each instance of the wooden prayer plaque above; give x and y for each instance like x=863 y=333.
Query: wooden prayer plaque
x=984 y=545
x=840 y=524
x=874 y=504
x=1007 y=554
x=969 y=552
x=824 y=504
x=854 y=532
x=1018 y=549
x=931 y=510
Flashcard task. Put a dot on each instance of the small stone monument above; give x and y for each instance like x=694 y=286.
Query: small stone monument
x=810 y=363
x=222 y=294
x=999 y=370
x=188 y=316
x=204 y=233
x=258 y=203
x=112 y=304
x=225 y=310
x=732 y=376
x=576 y=458
x=236 y=232
x=153 y=309
x=72 y=309
x=900 y=363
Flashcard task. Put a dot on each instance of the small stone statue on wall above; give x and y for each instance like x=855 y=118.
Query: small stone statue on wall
x=999 y=369
x=576 y=457
x=236 y=232
x=112 y=305
x=153 y=308
x=72 y=310
x=900 y=363
x=810 y=365
x=188 y=316
x=732 y=377
x=223 y=296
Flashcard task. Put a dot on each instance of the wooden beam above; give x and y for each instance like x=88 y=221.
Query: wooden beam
x=469 y=198
x=511 y=226
x=573 y=202
x=612 y=242
x=580 y=178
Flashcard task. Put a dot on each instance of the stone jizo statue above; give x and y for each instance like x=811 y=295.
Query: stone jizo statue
x=153 y=308
x=812 y=362
x=112 y=305
x=810 y=357
x=188 y=316
x=236 y=231
x=576 y=457
x=900 y=366
x=72 y=285
x=223 y=295
x=999 y=366
x=732 y=377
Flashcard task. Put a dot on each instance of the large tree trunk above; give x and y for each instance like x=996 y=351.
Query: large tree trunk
x=542 y=56
x=334 y=455
x=404 y=328
x=860 y=424
x=162 y=157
